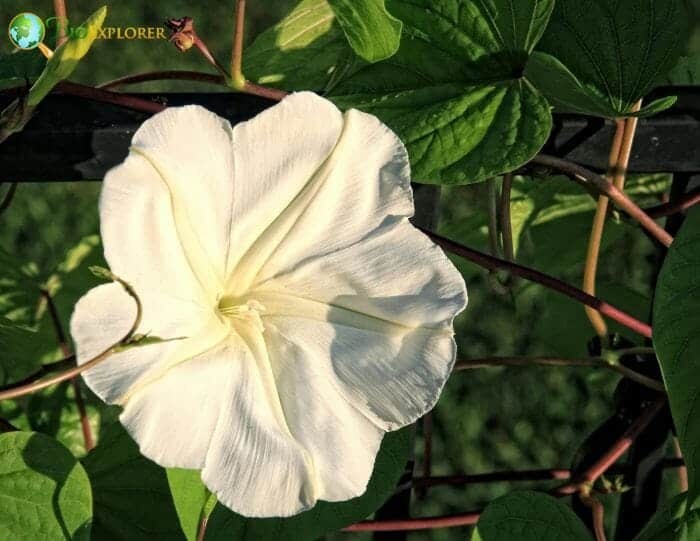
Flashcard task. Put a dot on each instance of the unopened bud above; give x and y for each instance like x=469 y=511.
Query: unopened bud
x=183 y=36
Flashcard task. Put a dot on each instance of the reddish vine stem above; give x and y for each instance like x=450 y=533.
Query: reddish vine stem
x=18 y=390
x=598 y=512
x=446 y=521
x=683 y=203
x=620 y=447
x=237 y=48
x=605 y=187
x=45 y=370
x=59 y=8
x=506 y=226
x=65 y=350
x=490 y=262
x=150 y=76
x=105 y=96
x=592 y=362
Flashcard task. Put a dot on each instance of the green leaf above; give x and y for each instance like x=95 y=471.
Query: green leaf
x=569 y=95
x=454 y=91
x=304 y=51
x=676 y=324
x=19 y=354
x=324 y=517
x=190 y=497
x=526 y=515
x=617 y=50
x=686 y=71
x=371 y=31
x=44 y=491
x=132 y=495
x=672 y=523
x=66 y=57
x=19 y=289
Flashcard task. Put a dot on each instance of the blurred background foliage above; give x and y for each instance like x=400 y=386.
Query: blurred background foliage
x=487 y=419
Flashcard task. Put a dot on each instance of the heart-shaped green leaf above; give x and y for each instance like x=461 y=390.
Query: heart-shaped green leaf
x=526 y=515
x=455 y=92
x=371 y=31
x=325 y=517
x=304 y=51
x=44 y=491
x=676 y=325
x=614 y=52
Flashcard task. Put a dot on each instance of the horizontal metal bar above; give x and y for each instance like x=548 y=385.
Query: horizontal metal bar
x=72 y=139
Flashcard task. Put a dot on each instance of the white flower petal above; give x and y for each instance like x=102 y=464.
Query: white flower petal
x=254 y=465
x=166 y=211
x=277 y=153
x=106 y=313
x=378 y=315
x=327 y=202
x=342 y=441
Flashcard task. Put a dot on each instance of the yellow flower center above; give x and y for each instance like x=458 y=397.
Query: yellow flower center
x=236 y=308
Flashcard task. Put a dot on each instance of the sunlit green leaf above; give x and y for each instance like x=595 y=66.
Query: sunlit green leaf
x=372 y=32
x=66 y=57
x=526 y=515
x=324 y=517
x=454 y=91
x=614 y=51
x=305 y=50
x=44 y=491
x=672 y=523
x=676 y=325
x=190 y=497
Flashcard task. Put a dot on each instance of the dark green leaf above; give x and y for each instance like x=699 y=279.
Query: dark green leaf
x=371 y=31
x=305 y=50
x=132 y=494
x=676 y=325
x=529 y=516
x=19 y=355
x=454 y=91
x=66 y=57
x=19 y=289
x=617 y=49
x=325 y=517
x=19 y=67
x=686 y=71
x=44 y=491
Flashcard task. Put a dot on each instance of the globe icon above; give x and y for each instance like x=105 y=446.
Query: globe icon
x=26 y=30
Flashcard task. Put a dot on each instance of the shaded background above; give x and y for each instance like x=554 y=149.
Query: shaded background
x=488 y=419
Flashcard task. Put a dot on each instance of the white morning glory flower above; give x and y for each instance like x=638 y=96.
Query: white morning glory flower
x=317 y=317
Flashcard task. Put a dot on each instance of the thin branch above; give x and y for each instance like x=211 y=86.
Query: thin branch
x=202 y=528
x=494 y=246
x=493 y=477
x=4 y=205
x=24 y=389
x=605 y=187
x=593 y=251
x=683 y=203
x=105 y=96
x=682 y=470
x=598 y=512
x=237 y=51
x=490 y=262
x=619 y=447
x=592 y=362
x=264 y=91
x=178 y=75
x=46 y=369
x=65 y=350
x=59 y=8
x=446 y=521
